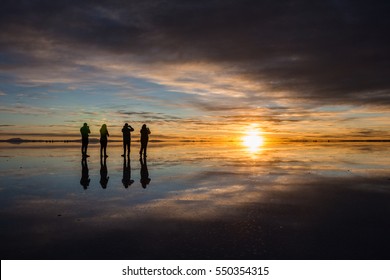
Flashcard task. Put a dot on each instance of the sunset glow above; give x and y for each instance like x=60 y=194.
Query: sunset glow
x=253 y=140
x=192 y=78
x=191 y=130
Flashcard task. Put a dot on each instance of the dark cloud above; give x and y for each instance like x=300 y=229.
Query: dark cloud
x=333 y=52
x=149 y=115
x=371 y=133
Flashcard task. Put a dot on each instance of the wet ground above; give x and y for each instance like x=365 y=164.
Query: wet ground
x=196 y=201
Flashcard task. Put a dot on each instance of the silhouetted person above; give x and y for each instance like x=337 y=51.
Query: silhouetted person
x=84 y=130
x=103 y=173
x=84 y=181
x=145 y=180
x=103 y=140
x=126 y=138
x=126 y=180
x=144 y=139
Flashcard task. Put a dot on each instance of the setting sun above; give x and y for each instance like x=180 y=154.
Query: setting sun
x=253 y=140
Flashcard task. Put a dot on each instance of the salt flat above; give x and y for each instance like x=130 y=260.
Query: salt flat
x=196 y=201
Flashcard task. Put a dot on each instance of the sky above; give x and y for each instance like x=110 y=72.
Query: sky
x=196 y=69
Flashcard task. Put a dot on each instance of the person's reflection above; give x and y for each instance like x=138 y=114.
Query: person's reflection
x=103 y=173
x=145 y=180
x=84 y=181
x=126 y=180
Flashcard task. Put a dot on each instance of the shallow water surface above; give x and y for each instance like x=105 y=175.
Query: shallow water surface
x=196 y=201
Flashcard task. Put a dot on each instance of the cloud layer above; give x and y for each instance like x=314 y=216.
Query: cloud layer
x=296 y=55
x=335 y=51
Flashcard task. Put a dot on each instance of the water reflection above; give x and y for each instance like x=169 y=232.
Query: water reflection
x=145 y=180
x=103 y=172
x=126 y=178
x=203 y=194
x=84 y=181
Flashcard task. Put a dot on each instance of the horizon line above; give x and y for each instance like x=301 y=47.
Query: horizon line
x=96 y=140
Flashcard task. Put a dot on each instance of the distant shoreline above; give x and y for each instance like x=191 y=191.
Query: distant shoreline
x=96 y=140
x=91 y=140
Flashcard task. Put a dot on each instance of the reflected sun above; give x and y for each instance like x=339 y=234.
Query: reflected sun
x=253 y=141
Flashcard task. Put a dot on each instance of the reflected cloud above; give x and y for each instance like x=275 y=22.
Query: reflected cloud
x=292 y=192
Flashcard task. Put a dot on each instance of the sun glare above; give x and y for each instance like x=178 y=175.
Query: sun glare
x=253 y=140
